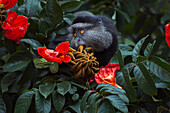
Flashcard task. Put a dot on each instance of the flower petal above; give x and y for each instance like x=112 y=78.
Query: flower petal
x=8 y=3
x=107 y=74
x=11 y=16
x=167 y=34
x=66 y=59
x=49 y=55
x=63 y=48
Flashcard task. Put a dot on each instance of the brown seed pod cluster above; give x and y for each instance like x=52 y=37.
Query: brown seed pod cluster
x=2 y=14
x=84 y=64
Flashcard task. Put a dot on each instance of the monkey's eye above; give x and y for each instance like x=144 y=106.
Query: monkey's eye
x=81 y=31
x=74 y=34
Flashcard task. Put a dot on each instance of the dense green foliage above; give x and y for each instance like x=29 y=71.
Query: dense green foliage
x=28 y=83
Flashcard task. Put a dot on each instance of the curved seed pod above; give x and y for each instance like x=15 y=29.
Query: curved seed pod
x=80 y=48
x=83 y=72
x=77 y=52
x=80 y=55
x=90 y=63
x=85 y=58
x=76 y=60
x=86 y=65
x=84 y=51
x=91 y=54
x=71 y=49
x=71 y=55
x=73 y=68
x=95 y=69
x=72 y=62
x=78 y=74
x=96 y=63
x=86 y=62
x=88 y=70
x=82 y=61
x=79 y=66
x=90 y=49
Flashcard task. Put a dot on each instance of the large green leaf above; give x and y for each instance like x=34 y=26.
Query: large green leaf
x=54 y=12
x=71 y=6
x=123 y=78
x=137 y=48
x=106 y=107
x=7 y=80
x=58 y=101
x=76 y=107
x=23 y=102
x=120 y=59
x=118 y=103
x=144 y=80
x=42 y=105
x=160 y=68
x=2 y=106
x=125 y=15
x=17 y=61
x=41 y=63
x=28 y=74
x=34 y=43
x=83 y=100
x=148 y=49
x=43 y=25
x=46 y=89
x=31 y=7
x=54 y=67
x=63 y=87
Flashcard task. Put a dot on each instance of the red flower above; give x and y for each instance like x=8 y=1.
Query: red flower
x=57 y=55
x=8 y=3
x=107 y=74
x=15 y=26
x=167 y=34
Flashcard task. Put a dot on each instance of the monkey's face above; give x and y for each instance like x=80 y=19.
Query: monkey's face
x=89 y=35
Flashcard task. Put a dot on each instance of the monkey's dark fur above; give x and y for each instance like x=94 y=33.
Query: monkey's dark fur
x=99 y=33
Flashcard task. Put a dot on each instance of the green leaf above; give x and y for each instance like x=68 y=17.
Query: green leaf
x=43 y=25
x=148 y=50
x=63 y=87
x=17 y=61
x=83 y=100
x=120 y=59
x=2 y=106
x=23 y=102
x=144 y=80
x=136 y=50
x=34 y=44
x=54 y=67
x=108 y=86
x=117 y=103
x=54 y=12
x=73 y=90
x=125 y=15
x=125 y=49
x=31 y=7
x=7 y=80
x=58 y=101
x=41 y=63
x=76 y=107
x=160 y=68
x=106 y=107
x=28 y=74
x=71 y=6
x=75 y=97
x=123 y=77
x=46 y=89
x=42 y=105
